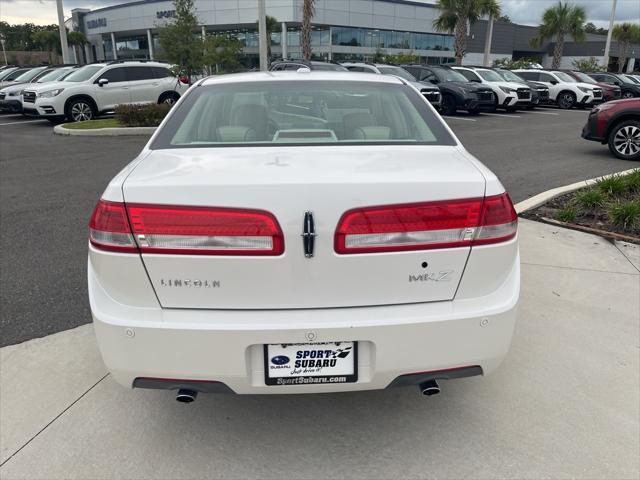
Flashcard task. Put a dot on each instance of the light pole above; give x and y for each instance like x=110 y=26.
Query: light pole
x=4 y=52
x=262 y=35
x=607 y=45
x=63 y=33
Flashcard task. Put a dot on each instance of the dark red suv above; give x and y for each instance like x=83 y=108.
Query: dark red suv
x=618 y=124
x=609 y=91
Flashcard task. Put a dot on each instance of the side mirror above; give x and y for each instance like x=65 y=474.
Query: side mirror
x=475 y=80
x=102 y=82
x=434 y=81
x=553 y=82
x=617 y=83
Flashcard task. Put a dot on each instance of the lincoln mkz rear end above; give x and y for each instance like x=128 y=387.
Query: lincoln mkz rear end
x=302 y=232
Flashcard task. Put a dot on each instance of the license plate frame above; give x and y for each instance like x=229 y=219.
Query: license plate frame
x=331 y=379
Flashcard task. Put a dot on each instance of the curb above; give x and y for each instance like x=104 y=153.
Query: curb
x=544 y=197
x=104 y=132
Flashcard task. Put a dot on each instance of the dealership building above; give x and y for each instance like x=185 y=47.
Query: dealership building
x=342 y=29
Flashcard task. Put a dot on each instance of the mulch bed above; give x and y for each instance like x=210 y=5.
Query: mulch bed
x=596 y=222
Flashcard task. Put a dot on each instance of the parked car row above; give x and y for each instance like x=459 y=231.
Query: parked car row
x=69 y=92
x=475 y=88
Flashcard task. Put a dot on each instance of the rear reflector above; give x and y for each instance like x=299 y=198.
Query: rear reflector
x=185 y=230
x=424 y=226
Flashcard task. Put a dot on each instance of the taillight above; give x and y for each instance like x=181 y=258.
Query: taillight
x=424 y=226
x=184 y=79
x=184 y=230
x=205 y=230
x=109 y=228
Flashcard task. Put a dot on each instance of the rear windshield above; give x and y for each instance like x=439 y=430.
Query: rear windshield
x=302 y=113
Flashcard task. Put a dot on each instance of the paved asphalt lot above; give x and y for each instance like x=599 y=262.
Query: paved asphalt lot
x=49 y=185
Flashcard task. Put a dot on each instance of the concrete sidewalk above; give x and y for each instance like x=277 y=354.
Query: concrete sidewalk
x=566 y=402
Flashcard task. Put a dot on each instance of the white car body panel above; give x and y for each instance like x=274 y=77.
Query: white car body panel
x=401 y=327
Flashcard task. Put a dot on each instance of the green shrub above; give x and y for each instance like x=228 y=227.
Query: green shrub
x=613 y=185
x=590 y=64
x=146 y=115
x=590 y=199
x=567 y=214
x=633 y=181
x=626 y=215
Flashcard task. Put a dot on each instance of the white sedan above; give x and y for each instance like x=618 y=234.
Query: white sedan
x=302 y=232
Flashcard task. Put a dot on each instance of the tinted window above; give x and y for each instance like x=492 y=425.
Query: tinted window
x=139 y=73
x=355 y=69
x=292 y=66
x=545 y=77
x=115 y=75
x=529 y=75
x=161 y=72
x=309 y=112
x=468 y=74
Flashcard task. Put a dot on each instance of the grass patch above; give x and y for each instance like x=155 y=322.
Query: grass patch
x=92 y=124
x=633 y=181
x=589 y=200
x=567 y=214
x=626 y=215
x=613 y=185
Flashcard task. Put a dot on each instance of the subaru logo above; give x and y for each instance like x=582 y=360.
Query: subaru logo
x=280 y=360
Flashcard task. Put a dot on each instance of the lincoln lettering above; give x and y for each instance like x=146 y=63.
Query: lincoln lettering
x=189 y=283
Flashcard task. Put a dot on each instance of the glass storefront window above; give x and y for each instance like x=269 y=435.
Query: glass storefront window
x=366 y=37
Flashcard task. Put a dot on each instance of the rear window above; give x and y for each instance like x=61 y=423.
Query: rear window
x=302 y=113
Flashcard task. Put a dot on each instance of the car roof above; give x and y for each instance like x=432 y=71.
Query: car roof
x=308 y=75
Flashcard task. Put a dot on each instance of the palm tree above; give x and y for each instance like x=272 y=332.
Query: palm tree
x=47 y=40
x=308 y=11
x=77 y=39
x=625 y=34
x=457 y=15
x=273 y=26
x=560 y=20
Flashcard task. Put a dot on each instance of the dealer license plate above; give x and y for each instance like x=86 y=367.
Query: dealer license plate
x=311 y=363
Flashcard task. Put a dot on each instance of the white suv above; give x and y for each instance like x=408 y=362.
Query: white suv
x=564 y=90
x=98 y=88
x=509 y=95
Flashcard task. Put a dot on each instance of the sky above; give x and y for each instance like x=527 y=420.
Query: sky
x=526 y=12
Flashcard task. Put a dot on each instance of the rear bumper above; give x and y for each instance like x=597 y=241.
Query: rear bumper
x=226 y=346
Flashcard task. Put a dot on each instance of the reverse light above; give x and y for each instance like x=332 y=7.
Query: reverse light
x=424 y=226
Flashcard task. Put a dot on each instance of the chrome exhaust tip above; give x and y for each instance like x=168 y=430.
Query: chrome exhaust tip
x=186 y=396
x=430 y=387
